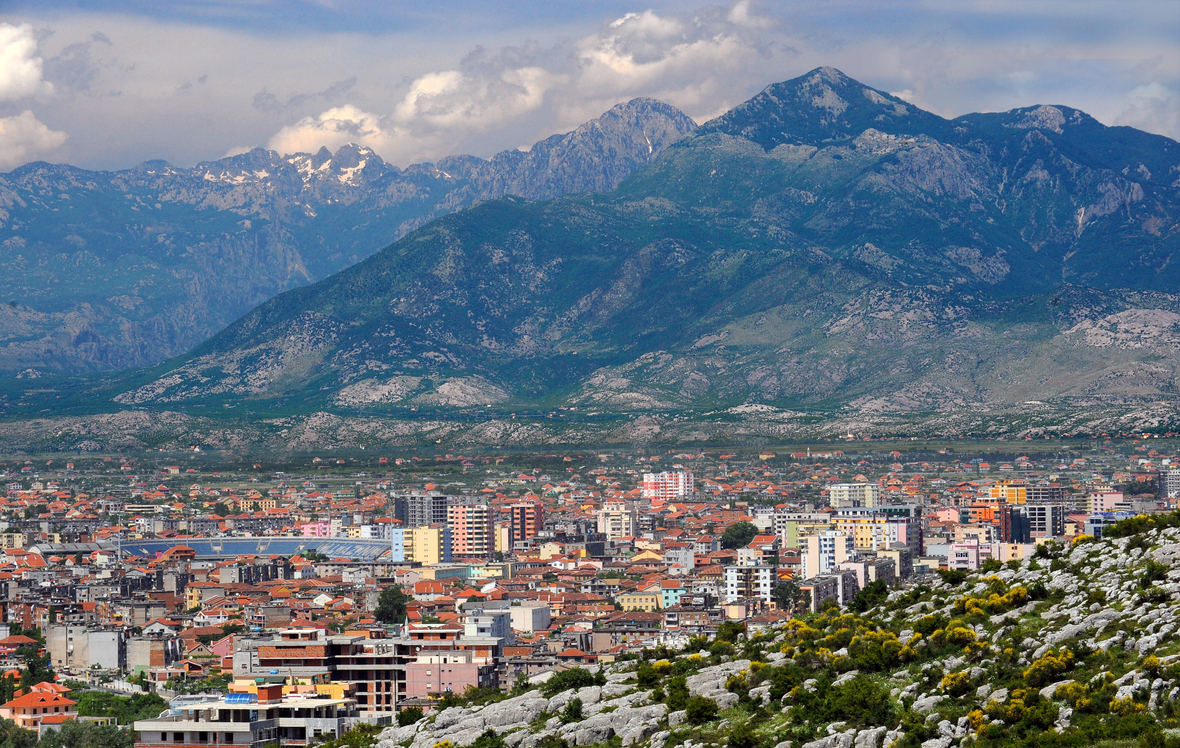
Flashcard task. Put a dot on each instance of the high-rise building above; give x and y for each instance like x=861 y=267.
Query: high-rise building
x=420 y=509
x=1012 y=492
x=1169 y=482
x=823 y=552
x=616 y=520
x=1043 y=521
x=472 y=534
x=854 y=494
x=750 y=582
x=667 y=486
x=880 y=527
x=428 y=545
x=528 y=519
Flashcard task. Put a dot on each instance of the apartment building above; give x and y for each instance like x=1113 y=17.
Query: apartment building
x=667 y=486
x=842 y=495
x=825 y=551
x=527 y=518
x=617 y=520
x=472 y=531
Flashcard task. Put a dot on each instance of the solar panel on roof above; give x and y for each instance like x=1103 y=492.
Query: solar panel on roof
x=241 y=698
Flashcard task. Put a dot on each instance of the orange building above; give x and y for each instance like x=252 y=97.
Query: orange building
x=44 y=703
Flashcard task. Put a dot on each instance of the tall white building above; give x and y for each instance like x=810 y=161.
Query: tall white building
x=1170 y=483
x=823 y=552
x=743 y=582
x=617 y=520
x=668 y=486
x=854 y=494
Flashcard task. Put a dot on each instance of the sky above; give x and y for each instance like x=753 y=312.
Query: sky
x=109 y=84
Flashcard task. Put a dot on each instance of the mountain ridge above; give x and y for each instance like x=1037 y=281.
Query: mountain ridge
x=882 y=272
x=117 y=269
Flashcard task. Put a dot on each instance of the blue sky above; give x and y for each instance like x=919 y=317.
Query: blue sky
x=111 y=84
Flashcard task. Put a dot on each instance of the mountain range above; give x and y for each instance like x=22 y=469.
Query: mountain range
x=111 y=270
x=823 y=245
x=824 y=254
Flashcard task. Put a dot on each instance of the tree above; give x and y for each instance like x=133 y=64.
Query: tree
x=872 y=595
x=391 y=605
x=74 y=734
x=738 y=535
x=409 y=716
x=729 y=631
x=788 y=596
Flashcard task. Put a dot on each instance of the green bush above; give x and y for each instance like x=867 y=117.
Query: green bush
x=489 y=739
x=568 y=680
x=678 y=694
x=572 y=711
x=409 y=716
x=700 y=710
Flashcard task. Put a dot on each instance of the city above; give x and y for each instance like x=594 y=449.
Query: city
x=355 y=589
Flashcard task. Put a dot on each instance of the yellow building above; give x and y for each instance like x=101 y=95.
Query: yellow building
x=503 y=539
x=646 y=600
x=1009 y=491
x=428 y=545
x=12 y=540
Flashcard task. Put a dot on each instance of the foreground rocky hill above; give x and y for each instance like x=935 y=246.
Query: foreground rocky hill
x=1072 y=647
x=823 y=246
x=109 y=270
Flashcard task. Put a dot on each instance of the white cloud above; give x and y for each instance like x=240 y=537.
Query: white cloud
x=521 y=94
x=20 y=66
x=332 y=129
x=1153 y=107
x=24 y=138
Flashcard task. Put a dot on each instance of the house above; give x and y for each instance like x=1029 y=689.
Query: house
x=43 y=703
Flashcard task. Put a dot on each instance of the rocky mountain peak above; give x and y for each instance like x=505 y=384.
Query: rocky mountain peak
x=819 y=107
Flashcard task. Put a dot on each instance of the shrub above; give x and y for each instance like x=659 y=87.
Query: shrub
x=743 y=736
x=678 y=694
x=700 y=710
x=1153 y=571
x=409 y=716
x=956 y=684
x=568 y=680
x=489 y=739
x=646 y=675
x=729 y=631
x=572 y=711
x=953 y=577
x=1050 y=665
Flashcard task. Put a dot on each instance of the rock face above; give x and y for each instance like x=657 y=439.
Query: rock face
x=938 y=699
x=632 y=718
x=110 y=270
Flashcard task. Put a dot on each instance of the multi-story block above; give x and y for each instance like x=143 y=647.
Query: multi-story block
x=750 y=582
x=667 y=486
x=825 y=551
x=471 y=531
x=616 y=520
x=527 y=519
x=854 y=495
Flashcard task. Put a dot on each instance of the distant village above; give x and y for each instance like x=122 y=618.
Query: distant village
x=286 y=606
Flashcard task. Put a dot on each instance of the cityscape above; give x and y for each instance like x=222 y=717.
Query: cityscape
x=743 y=374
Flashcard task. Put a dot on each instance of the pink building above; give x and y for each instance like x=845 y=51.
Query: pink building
x=669 y=486
x=317 y=530
x=472 y=531
x=435 y=675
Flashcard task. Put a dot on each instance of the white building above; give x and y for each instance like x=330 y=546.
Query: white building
x=1170 y=483
x=616 y=520
x=823 y=552
x=742 y=582
x=854 y=494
